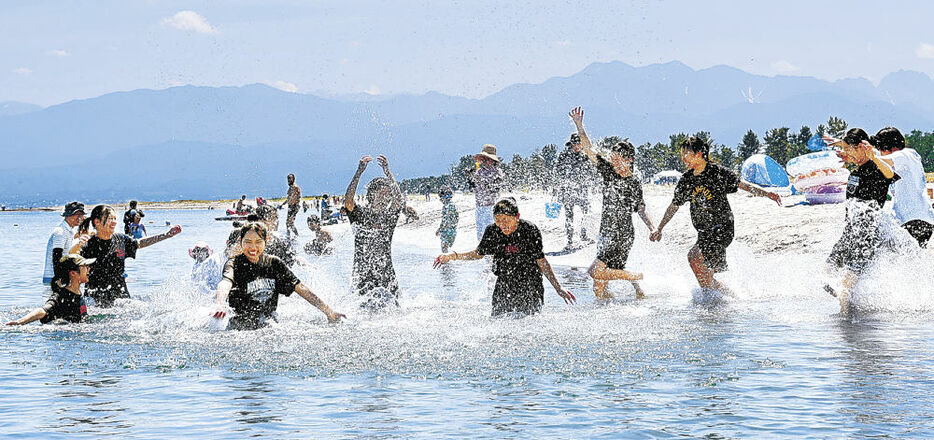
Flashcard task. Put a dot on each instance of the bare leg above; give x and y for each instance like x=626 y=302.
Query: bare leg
x=599 y=289
x=849 y=281
x=703 y=274
x=569 y=223
x=639 y=292
x=602 y=275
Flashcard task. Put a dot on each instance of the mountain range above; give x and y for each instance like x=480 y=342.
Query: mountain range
x=194 y=142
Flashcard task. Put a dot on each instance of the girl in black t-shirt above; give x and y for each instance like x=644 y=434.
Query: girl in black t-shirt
x=868 y=185
x=518 y=262
x=253 y=282
x=110 y=250
x=65 y=303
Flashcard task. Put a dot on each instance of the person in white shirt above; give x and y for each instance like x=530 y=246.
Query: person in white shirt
x=910 y=201
x=62 y=240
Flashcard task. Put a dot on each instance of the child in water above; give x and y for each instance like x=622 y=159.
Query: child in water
x=447 y=231
x=706 y=185
x=65 y=303
x=319 y=245
x=137 y=229
x=518 y=262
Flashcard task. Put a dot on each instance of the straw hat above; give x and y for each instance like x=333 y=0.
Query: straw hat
x=489 y=151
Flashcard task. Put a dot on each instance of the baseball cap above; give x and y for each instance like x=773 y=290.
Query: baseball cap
x=72 y=209
x=72 y=262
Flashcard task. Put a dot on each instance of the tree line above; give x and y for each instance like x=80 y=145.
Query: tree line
x=782 y=144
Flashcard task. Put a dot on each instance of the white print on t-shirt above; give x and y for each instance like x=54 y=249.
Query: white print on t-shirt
x=261 y=289
x=852 y=184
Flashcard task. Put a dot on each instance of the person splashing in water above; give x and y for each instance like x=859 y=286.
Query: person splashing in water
x=374 y=276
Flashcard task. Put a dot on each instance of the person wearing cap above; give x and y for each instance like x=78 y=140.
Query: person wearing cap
x=447 y=231
x=65 y=303
x=207 y=269
x=320 y=244
x=574 y=175
x=129 y=215
x=910 y=202
x=868 y=187
x=374 y=276
x=62 y=240
x=706 y=185
x=518 y=262
x=486 y=178
x=110 y=249
x=622 y=196
x=293 y=199
x=137 y=228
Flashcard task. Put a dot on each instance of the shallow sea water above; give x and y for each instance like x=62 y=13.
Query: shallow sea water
x=777 y=361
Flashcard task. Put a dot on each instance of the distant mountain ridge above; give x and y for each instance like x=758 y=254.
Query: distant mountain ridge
x=255 y=134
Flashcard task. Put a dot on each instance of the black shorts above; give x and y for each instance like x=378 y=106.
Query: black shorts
x=293 y=211
x=712 y=244
x=857 y=247
x=250 y=322
x=615 y=252
x=105 y=298
x=522 y=296
x=379 y=289
x=920 y=230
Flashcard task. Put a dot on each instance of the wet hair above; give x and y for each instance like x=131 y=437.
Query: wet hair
x=855 y=136
x=695 y=145
x=888 y=139
x=445 y=192
x=100 y=212
x=624 y=148
x=258 y=227
x=132 y=204
x=506 y=206
x=377 y=182
x=290 y=176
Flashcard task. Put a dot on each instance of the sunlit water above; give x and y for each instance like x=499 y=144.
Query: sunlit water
x=777 y=361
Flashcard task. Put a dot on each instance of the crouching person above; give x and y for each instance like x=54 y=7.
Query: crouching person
x=518 y=262
x=253 y=281
x=65 y=303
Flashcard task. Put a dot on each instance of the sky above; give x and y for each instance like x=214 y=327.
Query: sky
x=56 y=51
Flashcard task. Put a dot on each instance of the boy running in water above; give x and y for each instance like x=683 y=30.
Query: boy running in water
x=706 y=186
x=449 y=218
x=622 y=195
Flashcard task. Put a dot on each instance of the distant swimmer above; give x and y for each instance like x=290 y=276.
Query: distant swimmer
x=253 y=281
x=293 y=200
x=869 y=184
x=486 y=179
x=622 y=195
x=320 y=244
x=62 y=240
x=65 y=303
x=447 y=231
x=518 y=262
x=910 y=201
x=706 y=185
x=374 y=276
x=110 y=249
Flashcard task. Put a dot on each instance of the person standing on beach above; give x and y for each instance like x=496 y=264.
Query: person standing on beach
x=129 y=215
x=622 y=195
x=447 y=231
x=706 y=185
x=65 y=303
x=110 y=250
x=573 y=175
x=486 y=178
x=374 y=276
x=518 y=262
x=910 y=202
x=293 y=199
x=868 y=185
x=62 y=240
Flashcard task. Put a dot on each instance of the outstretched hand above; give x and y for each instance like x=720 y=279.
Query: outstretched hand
x=335 y=317
x=775 y=197
x=441 y=260
x=174 y=230
x=383 y=162
x=577 y=115
x=220 y=313
x=567 y=296
x=364 y=161
x=656 y=235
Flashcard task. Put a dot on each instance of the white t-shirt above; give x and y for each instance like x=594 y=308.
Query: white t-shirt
x=910 y=199
x=63 y=237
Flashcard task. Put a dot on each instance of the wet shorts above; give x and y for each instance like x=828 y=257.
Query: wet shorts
x=712 y=244
x=920 y=230
x=615 y=252
x=523 y=297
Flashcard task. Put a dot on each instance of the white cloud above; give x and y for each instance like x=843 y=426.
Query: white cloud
x=284 y=86
x=189 y=21
x=373 y=90
x=925 y=50
x=59 y=53
x=563 y=43
x=23 y=71
x=783 y=66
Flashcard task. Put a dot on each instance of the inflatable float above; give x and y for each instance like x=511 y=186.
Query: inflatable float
x=820 y=176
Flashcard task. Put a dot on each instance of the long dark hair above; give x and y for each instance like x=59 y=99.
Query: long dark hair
x=100 y=212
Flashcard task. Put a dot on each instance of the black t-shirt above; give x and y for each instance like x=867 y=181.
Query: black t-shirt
x=256 y=287
x=514 y=255
x=106 y=274
x=621 y=197
x=707 y=193
x=127 y=219
x=868 y=183
x=372 y=241
x=63 y=304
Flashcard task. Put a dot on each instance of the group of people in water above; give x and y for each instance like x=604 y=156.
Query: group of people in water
x=255 y=269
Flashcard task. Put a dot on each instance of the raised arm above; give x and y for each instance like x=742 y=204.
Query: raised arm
x=759 y=192
x=153 y=239
x=447 y=258
x=577 y=115
x=882 y=164
x=549 y=273
x=313 y=299
x=352 y=188
x=669 y=213
x=398 y=200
